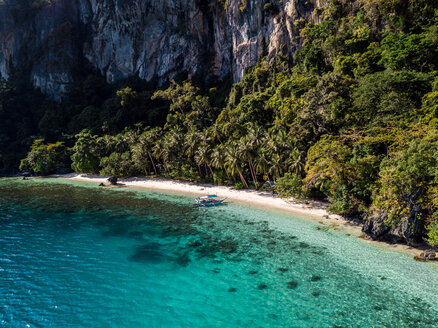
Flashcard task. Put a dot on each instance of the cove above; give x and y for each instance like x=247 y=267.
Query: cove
x=75 y=255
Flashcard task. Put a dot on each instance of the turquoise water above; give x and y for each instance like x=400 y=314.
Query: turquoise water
x=75 y=255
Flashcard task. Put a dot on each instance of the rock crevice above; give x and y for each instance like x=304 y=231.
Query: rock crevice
x=147 y=38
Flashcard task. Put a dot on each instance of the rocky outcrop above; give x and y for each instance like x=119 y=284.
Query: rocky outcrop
x=408 y=230
x=113 y=180
x=153 y=39
x=427 y=255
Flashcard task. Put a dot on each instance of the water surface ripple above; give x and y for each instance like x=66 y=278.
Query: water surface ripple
x=75 y=255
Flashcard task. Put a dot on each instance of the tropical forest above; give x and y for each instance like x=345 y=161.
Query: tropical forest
x=351 y=117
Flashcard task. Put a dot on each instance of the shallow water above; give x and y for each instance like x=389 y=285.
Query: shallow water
x=75 y=255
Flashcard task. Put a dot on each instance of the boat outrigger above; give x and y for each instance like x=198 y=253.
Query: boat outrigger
x=210 y=200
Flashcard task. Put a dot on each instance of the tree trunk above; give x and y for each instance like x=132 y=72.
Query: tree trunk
x=269 y=179
x=153 y=164
x=254 y=177
x=226 y=172
x=243 y=180
x=212 y=174
x=166 y=167
x=206 y=170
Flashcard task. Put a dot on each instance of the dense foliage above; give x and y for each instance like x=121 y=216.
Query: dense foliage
x=353 y=119
x=45 y=159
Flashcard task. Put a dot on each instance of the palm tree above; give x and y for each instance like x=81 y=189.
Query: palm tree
x=218 y=158
x=282 y=140
x=233 y=162
x=276 y=166
x=215 y=132
x=246 y=152
x=262 y=163
x=296 y=161
x=140 y=158
x=205 y=137
x=270 y=145
x=161 y=151
x=175 y=140
x=131 y=137
x=146 y=143
x=191 y=142
x=256 y=134
x=202 y=156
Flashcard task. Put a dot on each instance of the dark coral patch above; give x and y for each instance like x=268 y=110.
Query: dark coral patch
x=316 y=293
x=292 y=284
x=315 y=278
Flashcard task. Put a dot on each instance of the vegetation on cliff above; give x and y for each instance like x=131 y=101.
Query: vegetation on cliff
x=353 y=118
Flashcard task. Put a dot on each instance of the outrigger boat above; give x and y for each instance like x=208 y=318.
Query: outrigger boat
x=207 y=201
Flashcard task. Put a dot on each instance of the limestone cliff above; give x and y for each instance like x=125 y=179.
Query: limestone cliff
x=148 y=38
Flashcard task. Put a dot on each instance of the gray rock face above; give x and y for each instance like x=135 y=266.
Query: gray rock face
x=147 y=38
x=427 y=255
x=44 y=42
x=408 y=230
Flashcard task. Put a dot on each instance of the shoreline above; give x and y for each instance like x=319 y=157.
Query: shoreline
x=315 y=211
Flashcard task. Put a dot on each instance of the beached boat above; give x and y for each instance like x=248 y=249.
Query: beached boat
x=207 y=201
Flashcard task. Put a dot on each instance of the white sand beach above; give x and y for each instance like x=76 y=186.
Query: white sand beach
x=313 y=210
x=262 y=199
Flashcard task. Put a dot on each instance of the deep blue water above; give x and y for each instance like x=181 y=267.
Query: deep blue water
x=75 y=255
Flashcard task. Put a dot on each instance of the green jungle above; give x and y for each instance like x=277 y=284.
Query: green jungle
x=352 y=118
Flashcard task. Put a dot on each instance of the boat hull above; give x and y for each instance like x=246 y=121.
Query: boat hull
x=209 y=203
